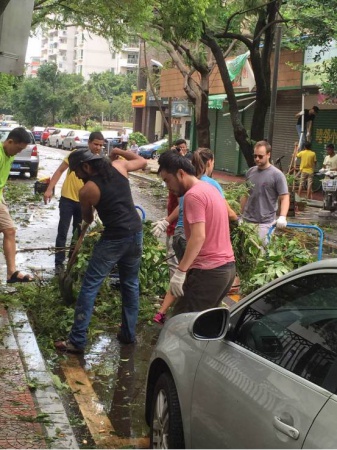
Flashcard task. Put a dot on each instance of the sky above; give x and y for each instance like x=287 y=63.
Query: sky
x=33 y=48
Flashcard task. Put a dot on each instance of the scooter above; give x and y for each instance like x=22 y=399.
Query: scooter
x=329 y=186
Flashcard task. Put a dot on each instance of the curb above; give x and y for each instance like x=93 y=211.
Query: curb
x=59 y=431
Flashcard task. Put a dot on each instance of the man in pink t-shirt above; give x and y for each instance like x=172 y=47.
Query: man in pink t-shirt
x=207 y=270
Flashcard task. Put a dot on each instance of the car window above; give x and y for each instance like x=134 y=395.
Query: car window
x=3 y=135
x=295 y=326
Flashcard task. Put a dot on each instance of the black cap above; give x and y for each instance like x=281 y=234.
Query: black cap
x=316 y=109
x=77 y=157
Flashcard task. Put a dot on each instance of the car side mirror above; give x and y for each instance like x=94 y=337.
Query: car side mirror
x=211 y=324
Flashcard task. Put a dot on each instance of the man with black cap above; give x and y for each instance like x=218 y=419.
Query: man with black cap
x=107 y=190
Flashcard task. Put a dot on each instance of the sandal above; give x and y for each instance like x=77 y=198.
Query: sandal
x=67 y=346
x=23 y=279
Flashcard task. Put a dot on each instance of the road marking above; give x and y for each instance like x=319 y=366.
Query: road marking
x=92 y=410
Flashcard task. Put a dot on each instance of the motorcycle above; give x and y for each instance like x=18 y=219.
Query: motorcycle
x=329 y=186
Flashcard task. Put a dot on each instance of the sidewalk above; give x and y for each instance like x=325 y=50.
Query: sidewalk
x=31 y=412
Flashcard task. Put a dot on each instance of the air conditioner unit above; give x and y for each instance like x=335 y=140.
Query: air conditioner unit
x=15 y=22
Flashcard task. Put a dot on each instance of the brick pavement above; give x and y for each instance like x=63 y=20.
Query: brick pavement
x=17 y=404
x=35 y=418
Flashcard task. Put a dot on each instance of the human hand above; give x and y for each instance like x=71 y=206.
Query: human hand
x=159 y=227
x=176 y=283
x=281 y=222
x=47 y=195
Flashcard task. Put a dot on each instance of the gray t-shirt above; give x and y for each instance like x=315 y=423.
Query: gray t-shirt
x=267 y=186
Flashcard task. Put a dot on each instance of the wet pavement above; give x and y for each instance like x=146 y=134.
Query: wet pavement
x=107 y=383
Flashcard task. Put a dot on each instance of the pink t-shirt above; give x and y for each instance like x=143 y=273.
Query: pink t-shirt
x=204 y=203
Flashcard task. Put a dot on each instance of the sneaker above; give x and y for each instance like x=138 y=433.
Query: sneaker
x=123 y=340
x=67 y=346
x=160 y=318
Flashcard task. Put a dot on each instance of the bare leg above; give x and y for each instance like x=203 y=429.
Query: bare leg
x=9 y=247
x=167 y=302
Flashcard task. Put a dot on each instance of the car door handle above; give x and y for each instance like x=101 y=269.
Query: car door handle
x=285 y=429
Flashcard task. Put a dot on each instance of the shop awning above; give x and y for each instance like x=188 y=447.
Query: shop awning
x=216 y=101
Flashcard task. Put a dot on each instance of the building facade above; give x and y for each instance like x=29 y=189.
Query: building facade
x=75 y=50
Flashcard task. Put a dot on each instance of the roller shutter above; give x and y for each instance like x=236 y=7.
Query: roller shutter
x=325 y=132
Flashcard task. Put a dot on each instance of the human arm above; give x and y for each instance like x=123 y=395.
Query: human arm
x=194 y=245
x=243 y=202
x=299 y=114
x=309 y=129
x=231 y=213
x=89 y=196
x=53 y=181
x=131 y=162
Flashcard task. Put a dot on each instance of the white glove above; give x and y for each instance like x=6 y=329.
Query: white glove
x=159 y=227
x=176 y=283
x=281 y=222
x=322 y=170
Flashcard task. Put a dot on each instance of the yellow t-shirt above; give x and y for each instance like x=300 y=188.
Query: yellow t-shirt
x=71 y=185
x=308 y=160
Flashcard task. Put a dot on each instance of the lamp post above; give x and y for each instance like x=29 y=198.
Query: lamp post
x=110 y=102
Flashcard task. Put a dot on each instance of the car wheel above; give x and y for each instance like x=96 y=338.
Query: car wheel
x=57 y=144
x=154 y=155
x=166 y=428
x=33 y=173
x=48 y=143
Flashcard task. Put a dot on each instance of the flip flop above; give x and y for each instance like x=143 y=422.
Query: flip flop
x=15 y=279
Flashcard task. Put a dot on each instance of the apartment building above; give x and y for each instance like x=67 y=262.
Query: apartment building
x=75 y=50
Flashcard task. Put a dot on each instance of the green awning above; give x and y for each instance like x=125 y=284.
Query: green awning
x=216 y=101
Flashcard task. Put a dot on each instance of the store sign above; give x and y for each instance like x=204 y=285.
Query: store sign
x=138 y=99
x=326 y=136
x=180 y=108
x=309 y=78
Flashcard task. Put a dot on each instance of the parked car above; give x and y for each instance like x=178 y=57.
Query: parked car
x=75 y=139
x=45 y=134
x=111 y=140
x=28 y=159
x=55 y=139
x=151 y=150
x=37 y=132
x=259 y=375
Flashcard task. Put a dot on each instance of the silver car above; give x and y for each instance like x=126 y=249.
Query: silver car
x=262 y=374
x=28 y=159
x=75 y=139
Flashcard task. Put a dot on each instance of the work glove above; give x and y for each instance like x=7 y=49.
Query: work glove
x=159 y=227
x=322 y=170
x=281 y=222
x=176 y=283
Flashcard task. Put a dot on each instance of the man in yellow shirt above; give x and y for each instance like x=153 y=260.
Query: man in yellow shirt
x=307 y=167
x=70 y=208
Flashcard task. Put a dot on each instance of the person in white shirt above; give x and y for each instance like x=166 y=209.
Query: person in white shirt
x=330 y=161
x=125 y=139
x=134 y=147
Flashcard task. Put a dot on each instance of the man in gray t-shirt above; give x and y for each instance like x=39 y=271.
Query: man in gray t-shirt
x=267 y=186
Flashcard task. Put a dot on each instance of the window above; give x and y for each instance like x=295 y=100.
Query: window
x=295 y=326
x=133 y=58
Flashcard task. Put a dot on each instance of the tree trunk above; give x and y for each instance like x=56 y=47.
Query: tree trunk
x=240 y=133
